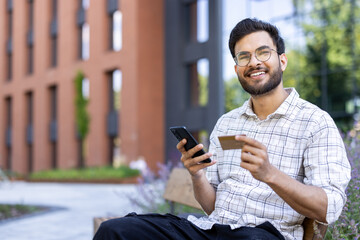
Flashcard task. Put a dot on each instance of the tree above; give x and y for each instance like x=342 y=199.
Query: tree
x=82 y=118
x=235 y=95
x=331 y=55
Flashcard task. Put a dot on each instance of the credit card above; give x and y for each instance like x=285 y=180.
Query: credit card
x=229 y=142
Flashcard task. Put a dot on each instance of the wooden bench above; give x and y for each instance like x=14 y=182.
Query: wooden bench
x=179 y=189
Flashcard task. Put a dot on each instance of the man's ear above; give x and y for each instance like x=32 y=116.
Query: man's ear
x=283 y=61
x=236 y=68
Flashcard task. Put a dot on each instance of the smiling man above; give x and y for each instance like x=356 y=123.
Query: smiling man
x=292 y=165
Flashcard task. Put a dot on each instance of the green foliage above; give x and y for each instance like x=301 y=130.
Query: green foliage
x=235 y=95
x=95 y=173
x=16 y=210
x=204 y=90
x=82 y=117
x=330 y=53
x=347 y=227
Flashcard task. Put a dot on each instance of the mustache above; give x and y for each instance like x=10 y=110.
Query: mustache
x=265 y=69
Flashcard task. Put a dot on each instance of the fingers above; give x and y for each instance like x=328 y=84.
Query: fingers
x=193 y=164
x=250 y=141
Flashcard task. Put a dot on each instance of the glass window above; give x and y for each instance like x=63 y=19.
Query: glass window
x=116 y=86
x=9 y=40
x=199 y=21
x=85 y=42
x=202 y=20
x=199 y=81
x=117 y=31
x=86 y=88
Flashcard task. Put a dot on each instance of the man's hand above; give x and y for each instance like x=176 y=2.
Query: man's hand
x=254 y=157
x=193 y=165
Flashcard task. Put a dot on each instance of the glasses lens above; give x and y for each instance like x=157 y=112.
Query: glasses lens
x=243 y=59
x=263 y=54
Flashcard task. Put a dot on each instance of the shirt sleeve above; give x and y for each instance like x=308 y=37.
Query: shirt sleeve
x=212 y=171
x=326 y=165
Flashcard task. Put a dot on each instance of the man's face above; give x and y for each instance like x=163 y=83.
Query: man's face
x=258 y=78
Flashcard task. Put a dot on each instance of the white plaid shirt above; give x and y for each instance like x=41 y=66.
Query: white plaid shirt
x=302 y=141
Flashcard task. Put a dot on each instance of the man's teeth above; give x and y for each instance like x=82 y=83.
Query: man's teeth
x=256 y=74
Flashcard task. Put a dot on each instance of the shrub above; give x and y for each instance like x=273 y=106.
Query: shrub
x=150 y=191
x=348 y=225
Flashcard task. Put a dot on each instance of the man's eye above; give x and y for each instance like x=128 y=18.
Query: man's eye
x=243 y=57
x=263 y=52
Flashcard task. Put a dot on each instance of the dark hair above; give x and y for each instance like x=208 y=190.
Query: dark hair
x=248 y=26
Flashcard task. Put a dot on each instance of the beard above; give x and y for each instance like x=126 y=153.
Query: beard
x=272 y=83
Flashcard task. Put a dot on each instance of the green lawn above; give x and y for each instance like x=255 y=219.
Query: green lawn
x=86 y=174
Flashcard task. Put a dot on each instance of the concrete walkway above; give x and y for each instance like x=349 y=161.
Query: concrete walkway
x=73 y=207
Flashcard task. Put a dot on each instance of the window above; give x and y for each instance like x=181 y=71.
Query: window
x=114 y=106
x=83 y=30
x=115 y=25
x=199 y=82
x=53 y=126
x=86 y=88
x=30 y=130
x=9 y=40
x=30 y=37
x=116 y=90
x=117 y=31
x=199 y=21
x=8 y=132
x=53 y=34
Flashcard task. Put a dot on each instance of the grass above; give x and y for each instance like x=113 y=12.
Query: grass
x=8 y=211
x=86 y=174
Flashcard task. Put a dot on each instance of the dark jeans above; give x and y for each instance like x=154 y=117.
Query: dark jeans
x=158 y=227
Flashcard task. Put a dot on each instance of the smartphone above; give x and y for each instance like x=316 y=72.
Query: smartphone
x=180 y=132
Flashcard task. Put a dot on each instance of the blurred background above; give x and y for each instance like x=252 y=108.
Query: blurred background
x=89 y=83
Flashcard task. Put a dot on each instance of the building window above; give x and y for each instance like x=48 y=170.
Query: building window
x=117 y=31
x=114 y=106
x=8 y=133
x=83 y=30
x=30 y=130
x=116 y=85
x=53 y=126
x=199 y=21
x=115 y=25
x=30 y=37
x=199 y=83
x=86 y=88
x=9 y=40
x=53 y=33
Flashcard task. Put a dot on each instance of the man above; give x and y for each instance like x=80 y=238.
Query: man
x=293 y=163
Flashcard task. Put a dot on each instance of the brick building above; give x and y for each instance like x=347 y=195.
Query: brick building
x=117 y=45
x=123 y=50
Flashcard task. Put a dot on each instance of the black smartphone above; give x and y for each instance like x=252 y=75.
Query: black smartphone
x=180 y=132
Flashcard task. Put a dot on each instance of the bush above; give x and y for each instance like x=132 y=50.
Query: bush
x=150 y=191
x=348 y=224
x=17 y=210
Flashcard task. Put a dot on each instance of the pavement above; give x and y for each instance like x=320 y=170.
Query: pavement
x=72 y=208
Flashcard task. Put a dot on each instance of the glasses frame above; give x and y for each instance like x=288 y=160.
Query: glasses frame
x=258 y=49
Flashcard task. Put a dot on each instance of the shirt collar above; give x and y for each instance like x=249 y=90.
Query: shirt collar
x=283 y=109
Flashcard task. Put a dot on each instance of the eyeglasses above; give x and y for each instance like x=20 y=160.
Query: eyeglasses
x=262 y=54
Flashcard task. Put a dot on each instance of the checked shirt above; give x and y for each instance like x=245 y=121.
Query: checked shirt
x=302 y=141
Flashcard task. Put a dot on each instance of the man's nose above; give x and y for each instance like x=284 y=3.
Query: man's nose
x=253 y=61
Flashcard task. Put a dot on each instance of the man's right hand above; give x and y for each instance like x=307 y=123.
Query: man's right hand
x=193 y=165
